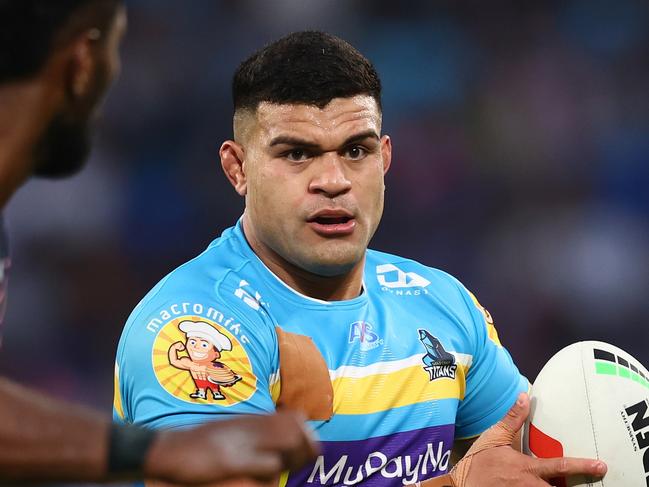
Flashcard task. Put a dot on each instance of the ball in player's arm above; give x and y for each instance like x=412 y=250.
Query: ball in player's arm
x=57 y=58
x=494 y=459
x=409 y=357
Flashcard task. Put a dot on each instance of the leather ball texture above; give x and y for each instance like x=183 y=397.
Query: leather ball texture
x=591 y=400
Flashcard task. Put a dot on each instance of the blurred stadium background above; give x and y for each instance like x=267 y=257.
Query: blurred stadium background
x=521 y=144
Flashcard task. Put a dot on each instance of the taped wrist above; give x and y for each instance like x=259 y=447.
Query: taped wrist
x=127 y=449
x=498 y=435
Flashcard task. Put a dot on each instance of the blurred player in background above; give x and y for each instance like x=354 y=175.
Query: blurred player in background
x=57 y=59
x=396 y=364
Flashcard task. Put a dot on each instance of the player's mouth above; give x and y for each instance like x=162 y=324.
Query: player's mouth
x=332 y=223
x=199 y=355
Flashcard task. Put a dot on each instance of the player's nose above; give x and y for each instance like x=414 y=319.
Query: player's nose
x=331 y=175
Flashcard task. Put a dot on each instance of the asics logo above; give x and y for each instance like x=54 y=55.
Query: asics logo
x=254 y=302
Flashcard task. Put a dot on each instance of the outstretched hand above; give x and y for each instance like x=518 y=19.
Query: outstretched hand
x=492 y=461
x=251 y=447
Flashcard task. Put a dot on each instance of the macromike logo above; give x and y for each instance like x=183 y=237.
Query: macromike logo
x=396 y=281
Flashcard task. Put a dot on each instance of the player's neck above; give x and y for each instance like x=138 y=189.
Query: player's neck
x=24 y=116
x=335 y=288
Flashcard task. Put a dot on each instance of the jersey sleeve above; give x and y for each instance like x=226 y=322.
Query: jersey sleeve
x=164 y=379
x=493 y=381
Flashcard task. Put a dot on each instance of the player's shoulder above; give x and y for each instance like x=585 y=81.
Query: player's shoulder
x=412 y=285
x=221 y=257
x=204 y=273
x=211 y=285
x=396 y=275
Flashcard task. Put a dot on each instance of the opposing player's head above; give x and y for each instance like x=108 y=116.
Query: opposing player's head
x=308 y=154
x=69 y=50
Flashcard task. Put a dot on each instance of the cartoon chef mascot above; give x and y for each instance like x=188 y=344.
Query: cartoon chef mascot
x=203 y=345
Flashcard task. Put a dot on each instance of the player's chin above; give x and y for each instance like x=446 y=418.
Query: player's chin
x=334 y=260
x=64 y=148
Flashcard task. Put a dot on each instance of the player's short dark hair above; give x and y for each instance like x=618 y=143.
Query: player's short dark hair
x=28 y=29
x=309 y=67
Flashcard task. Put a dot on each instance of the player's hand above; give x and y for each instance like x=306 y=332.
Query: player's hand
x=178 y=346
x=253 y=447
x=491 y=461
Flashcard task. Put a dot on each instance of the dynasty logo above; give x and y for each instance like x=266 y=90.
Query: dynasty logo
x=640 y=426
x=437 y=362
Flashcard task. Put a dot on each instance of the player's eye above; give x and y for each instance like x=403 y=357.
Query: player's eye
x=355 y=152
x=192 y=342
x=297 y=155
x=204 y=345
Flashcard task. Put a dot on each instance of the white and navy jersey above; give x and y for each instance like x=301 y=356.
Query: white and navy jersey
x=414 y=361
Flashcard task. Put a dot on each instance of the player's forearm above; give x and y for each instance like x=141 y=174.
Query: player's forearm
x=45 y=439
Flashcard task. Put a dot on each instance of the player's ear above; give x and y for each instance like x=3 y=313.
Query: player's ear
x=232 y=163
x=81 y=64
x=386 y=152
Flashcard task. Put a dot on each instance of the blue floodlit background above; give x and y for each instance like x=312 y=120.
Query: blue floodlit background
x=521 y=166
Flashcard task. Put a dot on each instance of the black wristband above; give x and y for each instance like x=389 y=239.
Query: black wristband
x=127 y=449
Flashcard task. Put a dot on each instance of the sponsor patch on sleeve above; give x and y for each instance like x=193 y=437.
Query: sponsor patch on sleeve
x=200 y=361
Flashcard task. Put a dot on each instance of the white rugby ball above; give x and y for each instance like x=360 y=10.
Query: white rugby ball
x=591 y=400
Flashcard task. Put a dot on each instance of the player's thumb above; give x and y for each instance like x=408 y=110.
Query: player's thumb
x=503 y=432
x=500 y=434
x=516 y=416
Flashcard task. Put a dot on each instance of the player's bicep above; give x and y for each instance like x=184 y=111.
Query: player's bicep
x=226 y=365
x=493 y=381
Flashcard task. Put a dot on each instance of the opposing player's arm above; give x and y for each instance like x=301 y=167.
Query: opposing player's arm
x=45 y=439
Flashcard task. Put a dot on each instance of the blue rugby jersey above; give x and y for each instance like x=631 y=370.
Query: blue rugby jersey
x=414 y=361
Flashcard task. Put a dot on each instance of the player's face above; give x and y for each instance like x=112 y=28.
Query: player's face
x=201 y=350
x=66 y=143
x=315 y=181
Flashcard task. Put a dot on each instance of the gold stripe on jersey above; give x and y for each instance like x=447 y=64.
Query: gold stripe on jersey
x=492 y=333
x=383 y=391
x=117 y=395
x=275 y=386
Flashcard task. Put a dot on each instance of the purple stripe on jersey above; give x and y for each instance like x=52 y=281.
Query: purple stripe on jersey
x=398 y=459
